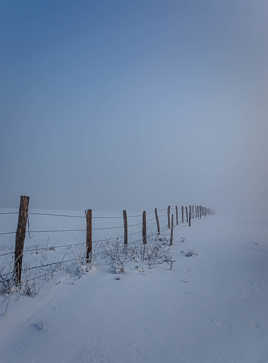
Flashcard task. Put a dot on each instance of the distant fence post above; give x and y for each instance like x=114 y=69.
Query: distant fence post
x=157 y=220
x=171 y=231
x=168 y=213
x=190 y=216
x=20 y=237
x=125 y=227
x=144 y=232
x=182 y=214
x=89 y=236
x=177 y=215
x=186 y=213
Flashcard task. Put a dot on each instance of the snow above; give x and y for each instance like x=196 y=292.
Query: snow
x=209 y=308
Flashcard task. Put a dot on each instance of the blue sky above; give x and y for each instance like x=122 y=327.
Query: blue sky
x=111 y=104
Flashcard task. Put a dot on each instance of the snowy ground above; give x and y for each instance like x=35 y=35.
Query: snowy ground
x=210 y=308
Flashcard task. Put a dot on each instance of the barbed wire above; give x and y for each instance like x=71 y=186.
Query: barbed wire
x=2 y=213
x=6 y=233
x=70 y=245
x=49 y=264
x=55 y=215
x=7 y=253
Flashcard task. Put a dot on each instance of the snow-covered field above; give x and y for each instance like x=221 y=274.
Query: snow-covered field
x=209 y=307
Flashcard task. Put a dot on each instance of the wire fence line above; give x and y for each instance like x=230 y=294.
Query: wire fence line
x=69 y=215
x=79 y=229
x=148 y=228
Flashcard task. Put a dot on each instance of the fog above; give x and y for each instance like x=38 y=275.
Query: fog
x=118 y=104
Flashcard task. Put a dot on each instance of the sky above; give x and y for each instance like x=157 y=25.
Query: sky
x=134 y=104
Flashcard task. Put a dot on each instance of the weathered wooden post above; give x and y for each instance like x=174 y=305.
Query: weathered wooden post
x=157 y=220
x=89 y=236
x=125 y=227
x=182 y=214
x=168 y=215
x=177 y=215
x=190 y=216
x=144 y=231
x=187 y=216
x=171 y=231
x=20 y=237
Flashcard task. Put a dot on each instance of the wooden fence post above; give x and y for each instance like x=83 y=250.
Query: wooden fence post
x=177 y=215
x=89 y=236
x=144 y=232
x=125 y=227
x=157 y=220
x=168 y=213
x=20 y=237
x=182 y=214
x=186 y=213
x=171 y=231
x=190 y=216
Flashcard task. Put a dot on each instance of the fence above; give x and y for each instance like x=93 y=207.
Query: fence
x=147 y=225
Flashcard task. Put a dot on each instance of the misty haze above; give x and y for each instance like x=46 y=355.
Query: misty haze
x=134 y=185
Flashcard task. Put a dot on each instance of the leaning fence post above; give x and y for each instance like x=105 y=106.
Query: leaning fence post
x=168 y=214
x=157 y=220
x=20 y=237
x=144 y=232
x=177 y=215
x=89 y=235
x=125 y=227
x=171 y=231
x=190 y=216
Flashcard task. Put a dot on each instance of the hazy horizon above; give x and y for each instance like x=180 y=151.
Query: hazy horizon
x=134 y=104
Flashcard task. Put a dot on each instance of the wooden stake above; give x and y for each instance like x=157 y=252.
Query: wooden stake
x=168 y=213
x=190 y=216
x=144 y=232
x=186 y=213
x=20 y=237
x=89 y=236
x=182 y=214
x=157 y=220
x=171 y=231
x=177 y=216
x=125 y=227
